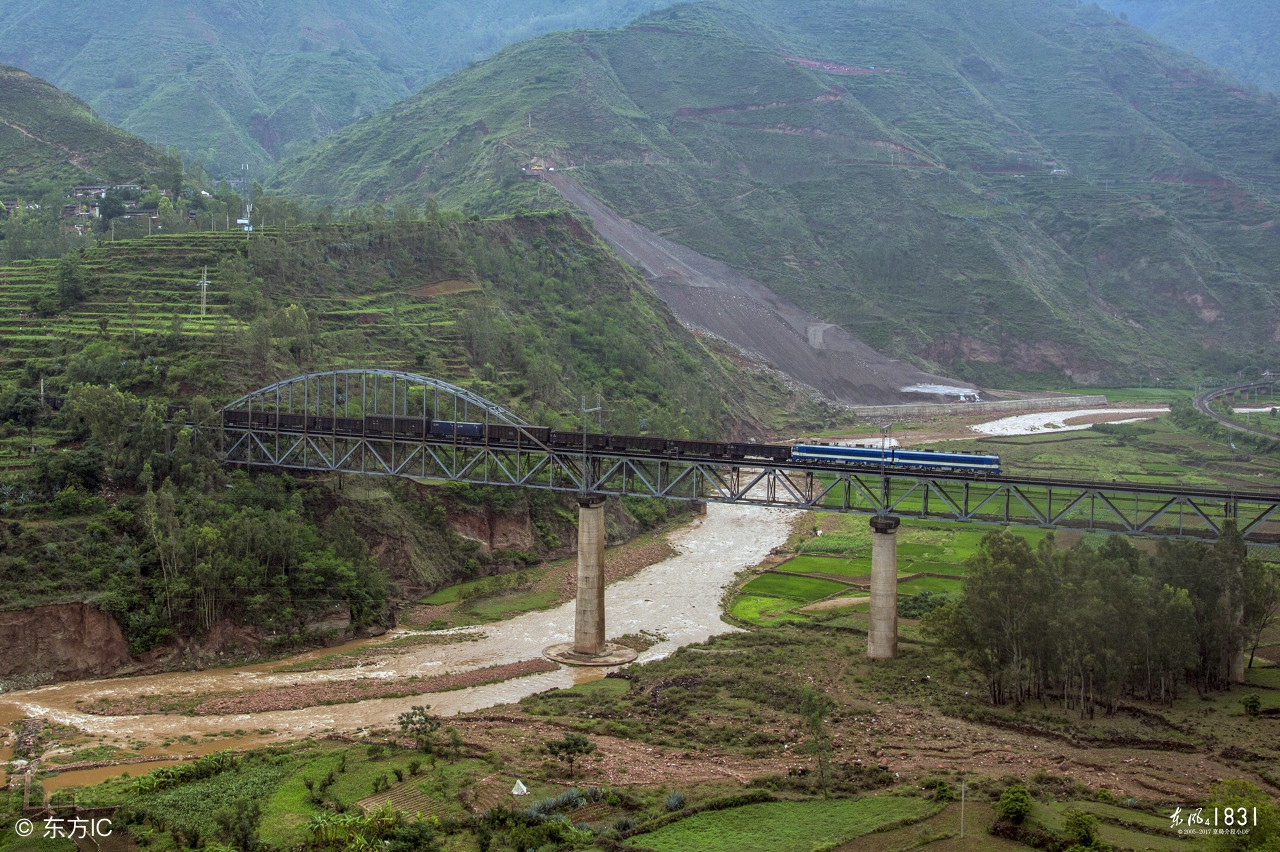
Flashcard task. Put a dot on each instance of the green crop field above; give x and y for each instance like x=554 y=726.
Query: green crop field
x=782 y=826
x=758 y=609
x=860 y=567
x=929 y=584
x=803 y=589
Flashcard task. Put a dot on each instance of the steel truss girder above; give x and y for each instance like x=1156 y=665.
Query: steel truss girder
x=280 y=395
x=1086 y=507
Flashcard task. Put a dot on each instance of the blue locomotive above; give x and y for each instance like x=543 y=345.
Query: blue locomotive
x=895 y=458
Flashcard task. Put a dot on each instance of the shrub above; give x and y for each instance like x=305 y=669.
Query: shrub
x=1252 y=704
x=1082 y=827
x=920 y=605
x=675 y=802
x=1014 y=804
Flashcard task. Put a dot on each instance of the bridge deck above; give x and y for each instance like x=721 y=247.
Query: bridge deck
x=1157 y=511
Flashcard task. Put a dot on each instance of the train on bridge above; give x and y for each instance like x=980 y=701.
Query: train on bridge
x=502 y=434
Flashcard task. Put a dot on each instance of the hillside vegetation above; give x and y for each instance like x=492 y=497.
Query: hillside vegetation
x=105 y=503
x=241 y=83
x=1021 y=191
x=1238 y=35
x=48 y=137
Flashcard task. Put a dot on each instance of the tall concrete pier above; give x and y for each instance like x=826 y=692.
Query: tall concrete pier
x=882 y=634
x=588 y=629
x=589 y=646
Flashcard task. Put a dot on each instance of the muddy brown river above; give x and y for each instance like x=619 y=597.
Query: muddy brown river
x=678 y=599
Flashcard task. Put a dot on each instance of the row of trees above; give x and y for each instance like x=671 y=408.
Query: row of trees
x=1088 y=627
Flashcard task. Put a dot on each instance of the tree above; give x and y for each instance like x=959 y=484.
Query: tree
x=110 y=207
x=420 y=725
x=1014 y=804
x=1081 y=826
x=813 y=706
x=1261 y=601
x=22 y=409
x=72 y=282
x=570 y=749
x=1007 y=595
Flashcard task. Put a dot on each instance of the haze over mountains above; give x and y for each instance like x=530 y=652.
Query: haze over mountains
x=1239 y=35
x=1005 y=189
x=231 y=83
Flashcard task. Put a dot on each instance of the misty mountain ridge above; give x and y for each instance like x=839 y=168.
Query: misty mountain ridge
x=241 y=83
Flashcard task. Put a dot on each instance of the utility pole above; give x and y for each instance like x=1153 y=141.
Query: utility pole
x=204 y=290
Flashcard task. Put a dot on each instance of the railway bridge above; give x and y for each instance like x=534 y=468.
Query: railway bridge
x=389 y=423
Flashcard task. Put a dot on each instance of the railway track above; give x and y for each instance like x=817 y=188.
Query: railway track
x=1203 y=401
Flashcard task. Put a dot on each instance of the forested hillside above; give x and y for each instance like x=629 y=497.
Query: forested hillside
x=231 y=84
x=103 y=502
x=1011 y=191
x=50 y=140
x=1239 y=35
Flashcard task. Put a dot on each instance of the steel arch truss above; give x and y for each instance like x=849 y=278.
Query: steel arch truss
x=1148 y=511
x=362 y=393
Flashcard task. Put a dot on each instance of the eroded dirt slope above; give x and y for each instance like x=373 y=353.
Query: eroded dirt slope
x=707 y=294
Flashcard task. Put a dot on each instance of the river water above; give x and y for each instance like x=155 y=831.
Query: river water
x=678 y=598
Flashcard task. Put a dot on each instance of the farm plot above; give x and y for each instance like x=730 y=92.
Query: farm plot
x=776 y=826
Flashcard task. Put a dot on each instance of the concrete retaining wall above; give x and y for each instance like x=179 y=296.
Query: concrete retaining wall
x=994 y=406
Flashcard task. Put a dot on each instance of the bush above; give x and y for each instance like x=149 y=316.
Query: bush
x=1081 y=827
x=675 y=802
x=1252 y=704
x=920 y=605
x=1014 y=804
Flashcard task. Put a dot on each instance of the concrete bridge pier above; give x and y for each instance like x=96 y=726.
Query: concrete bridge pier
x=589 y=646
x=882 y=633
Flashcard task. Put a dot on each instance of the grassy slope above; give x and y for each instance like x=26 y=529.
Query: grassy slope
x=233 y=85
x=47 y=134
x=1233 y=34
x=902 y=205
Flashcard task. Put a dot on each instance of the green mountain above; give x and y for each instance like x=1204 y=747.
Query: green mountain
x=239 y=83
x=1239 y=35
x=47 y=135
x=1008 y=190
